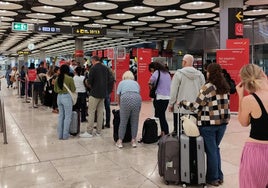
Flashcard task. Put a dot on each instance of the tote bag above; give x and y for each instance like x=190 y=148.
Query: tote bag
x=189 y=126
x=73 y=94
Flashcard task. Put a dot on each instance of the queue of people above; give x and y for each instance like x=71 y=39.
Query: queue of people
x=187 y=92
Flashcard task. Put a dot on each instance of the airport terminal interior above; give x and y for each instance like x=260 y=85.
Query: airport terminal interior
x=35 y=157
x=31 y=31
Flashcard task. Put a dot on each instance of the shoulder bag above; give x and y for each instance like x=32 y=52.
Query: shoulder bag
x=73 y=94
x=153 y=89
x=189 y=126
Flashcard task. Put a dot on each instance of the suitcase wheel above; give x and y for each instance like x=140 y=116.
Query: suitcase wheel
x=166 y=182
x=184 y=185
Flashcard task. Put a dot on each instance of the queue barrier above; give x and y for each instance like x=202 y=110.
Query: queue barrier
x=3 y=120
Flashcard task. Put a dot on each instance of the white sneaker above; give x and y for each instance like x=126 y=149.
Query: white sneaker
x=98 y=134
x=133 y=143
x=86 y=135
x=119 y=145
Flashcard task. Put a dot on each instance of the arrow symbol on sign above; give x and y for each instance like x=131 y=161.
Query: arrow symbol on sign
x=239 y=16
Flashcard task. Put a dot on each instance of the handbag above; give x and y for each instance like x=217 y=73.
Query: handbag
x=73 y=94
x=189 y=126
x=152 y=93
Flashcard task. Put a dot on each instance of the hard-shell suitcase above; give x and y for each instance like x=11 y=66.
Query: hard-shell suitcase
x=192 y=160
x=169 y=159
x=116 y=123
x=75 y=123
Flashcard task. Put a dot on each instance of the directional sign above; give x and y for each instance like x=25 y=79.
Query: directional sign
x=89 y=31
x=239 y=16
x=23 y=52
x=235 y=23
x=53 y=29
x=17 y=26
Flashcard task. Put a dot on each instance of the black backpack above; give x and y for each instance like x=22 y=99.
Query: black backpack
x=149 y=131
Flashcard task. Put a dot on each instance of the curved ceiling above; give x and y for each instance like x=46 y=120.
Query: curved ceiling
x=128 y=22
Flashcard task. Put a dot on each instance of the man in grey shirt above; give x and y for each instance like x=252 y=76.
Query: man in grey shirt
x=185 y=85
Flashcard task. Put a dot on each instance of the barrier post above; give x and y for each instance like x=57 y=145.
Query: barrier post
x=3 y=124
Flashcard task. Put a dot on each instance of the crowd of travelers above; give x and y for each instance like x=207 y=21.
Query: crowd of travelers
x=204 y=95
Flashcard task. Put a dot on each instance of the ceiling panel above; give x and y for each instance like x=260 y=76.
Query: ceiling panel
x=146 y=20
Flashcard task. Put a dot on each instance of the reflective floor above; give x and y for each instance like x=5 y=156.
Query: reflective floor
x=34 y=157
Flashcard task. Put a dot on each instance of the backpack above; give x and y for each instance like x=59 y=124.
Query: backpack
x=149 y=131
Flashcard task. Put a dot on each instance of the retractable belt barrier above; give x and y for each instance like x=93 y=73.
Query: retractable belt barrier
x=2 y=120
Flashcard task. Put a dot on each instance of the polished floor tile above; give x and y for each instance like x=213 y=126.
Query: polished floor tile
x=35 y=158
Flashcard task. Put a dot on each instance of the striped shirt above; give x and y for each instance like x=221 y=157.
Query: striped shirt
x=212 y=109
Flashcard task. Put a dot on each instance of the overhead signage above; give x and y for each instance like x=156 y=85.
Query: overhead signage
x=239 y=16
x=53 y=29
x=235 y=23
x=18 y=26
x=89 y=31
x=23 y=52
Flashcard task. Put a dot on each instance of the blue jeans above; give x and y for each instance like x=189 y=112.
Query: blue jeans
x=212 y=138
x=65 y=106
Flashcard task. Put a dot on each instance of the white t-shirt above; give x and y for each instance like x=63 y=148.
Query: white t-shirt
x=79 y=84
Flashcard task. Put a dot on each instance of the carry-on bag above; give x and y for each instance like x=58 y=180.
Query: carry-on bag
x=149 y=131
x=75 y=123
x=192 y=158
x=116 y=123
x=169 y=159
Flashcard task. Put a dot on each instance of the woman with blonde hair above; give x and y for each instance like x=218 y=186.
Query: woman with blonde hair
x=253 y=110
x=129 y=100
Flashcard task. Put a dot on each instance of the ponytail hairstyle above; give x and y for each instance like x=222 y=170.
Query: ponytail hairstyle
x=64 y=69
x=251 y=76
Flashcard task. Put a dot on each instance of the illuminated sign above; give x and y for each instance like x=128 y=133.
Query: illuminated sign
x=17 y=26
x=89 y=31
x=53 y=29
x=23 y=52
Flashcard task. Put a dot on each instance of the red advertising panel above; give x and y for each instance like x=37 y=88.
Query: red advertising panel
x=105 y=53
x=232 y=60
x=155 y=52
x=110 y=53
x=122 y=65
x=134 y=52
x=94 y=53
x=144 y=59
x=79 y=53
x=239 y=44
x=100 y=53
x=31 y=75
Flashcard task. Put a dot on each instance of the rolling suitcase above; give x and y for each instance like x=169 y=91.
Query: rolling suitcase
x=169 y=158
x=75 y=123
x=192 y=159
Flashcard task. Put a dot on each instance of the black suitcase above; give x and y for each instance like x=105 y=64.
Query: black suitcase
x=116 y=122
x=169 y=158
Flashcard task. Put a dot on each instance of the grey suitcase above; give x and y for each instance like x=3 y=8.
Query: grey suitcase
x=168 y=159
x=75 y=123
x=192 y=160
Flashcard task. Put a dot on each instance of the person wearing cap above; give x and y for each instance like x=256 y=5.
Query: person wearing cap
x=185 y=84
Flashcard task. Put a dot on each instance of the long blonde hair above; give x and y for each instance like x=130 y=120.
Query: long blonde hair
x=251 y=76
